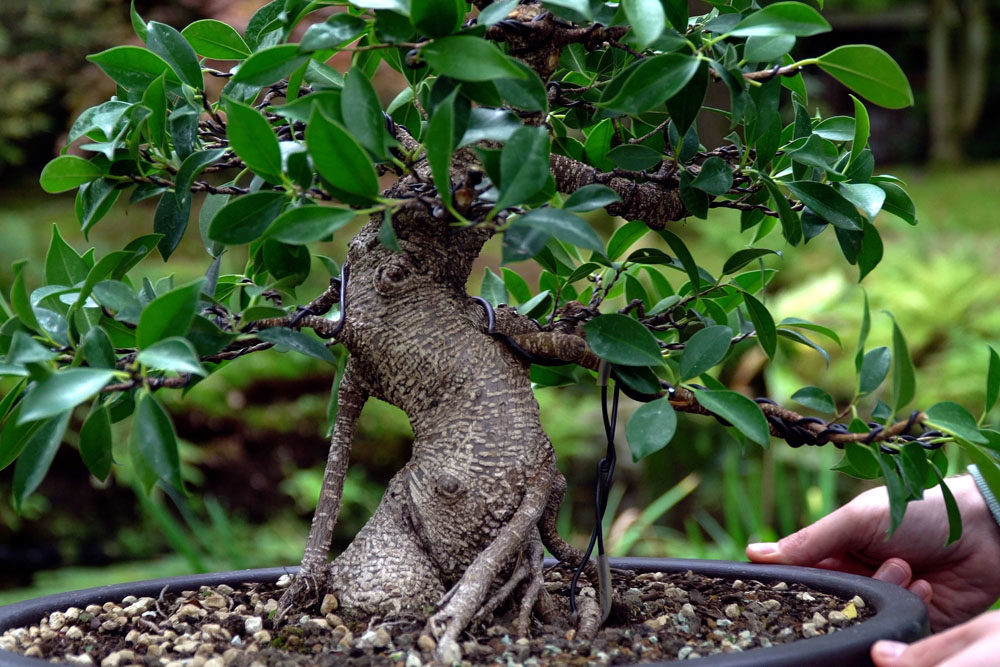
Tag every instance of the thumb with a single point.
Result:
(834, 534)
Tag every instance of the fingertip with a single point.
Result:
(887, 652)
(763, 551)
(922, 589)
(894, 571)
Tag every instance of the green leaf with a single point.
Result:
(170, 45)
(904, 381)
(270, 65)
(437, 18)
(469, 58)
(894, 485)
(592, 197)
(715, 177)
(62, 391)
(524, 166)
(738, 410)
(898, 202)
(741, 258)
(563, 225)
(118, 297)
(36, 457)
(362, 112)
(153, 446)
(810, 326)
(96, 443)
(992, 380)
(306, 224)
(62, 265)
(782, 18)
(169, 314)
(767, 48)
(862, 128)
(299, 342)
(624, 237)
(684, 255)
(172, 354)
(791, 225)
(245, 218)
(170, 221)
(827, 203)
(527, 92)
(706, 348)
(26, 350)
(952, 418)
(634, 157)
(763, 323)
(870, 72)
(816, 399)
(138, 25)
(866, 196)
(651, 83)
(915, 468)
(339, 158)
(647, 18)
(216, 40)
(650, 428)
(516, 285)
(622, 340)
(871, 251)
(951, 507)
(67, 172)
(440, 143)
(493, 289)
(685, 105)
(537, 305)
(251, 136)
(496, 12)
(337, 30)
(387, 233)
(803, 340)
(132, 66)
(97, 349)
(874, 369)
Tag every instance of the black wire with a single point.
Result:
(605, 471)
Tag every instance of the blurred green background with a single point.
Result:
(254, 435)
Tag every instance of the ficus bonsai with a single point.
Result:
(515, 118)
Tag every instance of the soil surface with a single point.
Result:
(662, 617)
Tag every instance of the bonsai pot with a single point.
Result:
(899, 615)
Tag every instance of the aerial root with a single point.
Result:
(304, 591)
(535, 556)
(519, 575)
(590, 614)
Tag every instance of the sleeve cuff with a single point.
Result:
(991, 500)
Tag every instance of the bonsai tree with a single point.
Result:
(515, 119)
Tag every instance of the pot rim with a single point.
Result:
(900, 615)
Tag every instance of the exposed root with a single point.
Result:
(530, 596)
(590, 614)
(504, 592)
(305, 591)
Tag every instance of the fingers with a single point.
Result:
(976, 642)
(894, 571)
(922, 589)
(836, 533)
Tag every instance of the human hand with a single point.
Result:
(974, 643)
(956, 582)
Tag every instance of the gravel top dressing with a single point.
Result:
(664, 617)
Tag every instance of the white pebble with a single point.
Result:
(253, 624)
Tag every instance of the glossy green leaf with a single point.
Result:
(440, 143)
(951, 417)
(590, 198)
(62, 265)
(782, 18)
(253, 140)
(951, 508)
(246, 217)
(337, 30)
(622, 340)
(62, 391)
(524, 166)
(650, 428)
(803, 340)
(97, 349)
(138, 25)
(67, 172)
(339, 158)
(153, 446)
(36, 457)
(870, 72)
(862, 128)
(816, 399)
(635, 157)
(904, 381)
(306, 224)
(216, 40)
(96, 443)
(387, 233)
(866, 196)
(166, 42)
(563, 225)
(132, 66)
(874, 369)
(493, 289)
(898, 202)
(515, 285)
(651, 83)
(767, 48)
(170, 221)
(715, 177)
(120, 299)
(741, 258)
(827, 203)
(169, 314)
(362, 113)
(437, 18)
(684, 255)
(468, 58)
(738, 410)
(625, 237)
(270, 65)
(288, 339)
(704, 350)
(496, 12)
(172, 354)
(26, 350)
(791, 225)
(685, 106)
(527, 92)
(648, 18)
(992, 380)
(763, 323)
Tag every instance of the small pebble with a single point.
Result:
(329, 604)
(818, 620)
(837, 618)
(284, 581)
(253, 624)
(858, 602)
(780, 586)
(426, 643)
(809, 630)
(732, 610)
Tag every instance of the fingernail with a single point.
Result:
(887, 650)
(891, 573)
(764, 548)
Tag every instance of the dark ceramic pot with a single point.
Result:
(900, 615)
